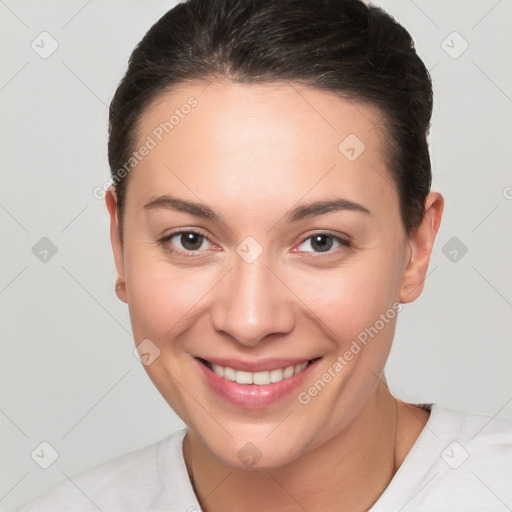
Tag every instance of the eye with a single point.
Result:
(185, 242)
(322, 243)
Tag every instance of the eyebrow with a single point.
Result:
(173, 203)
(298, 213)
(321, 207)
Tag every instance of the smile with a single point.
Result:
(259, 378)
(255, 385)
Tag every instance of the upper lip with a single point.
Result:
(256, 365)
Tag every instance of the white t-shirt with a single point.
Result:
(460, 462)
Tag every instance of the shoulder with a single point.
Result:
(129, 482)
(474, 459)
(476, 433)
(479, 445)
(460, 462)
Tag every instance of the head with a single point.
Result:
(271, 206)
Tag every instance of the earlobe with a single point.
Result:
(115, 238)
(421, 243)
(121, 290)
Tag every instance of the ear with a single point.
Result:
(115, 238)
(421, 242)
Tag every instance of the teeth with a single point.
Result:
(243, 377)
(219, 370)
(229, 374)
(258, 378)
(288, 372)
(276, 375)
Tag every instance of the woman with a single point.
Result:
(270, 212)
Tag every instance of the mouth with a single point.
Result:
(270, 383)
(260, 378)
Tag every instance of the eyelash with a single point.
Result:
(164, 242)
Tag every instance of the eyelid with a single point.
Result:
(164, 241)
(344, 242)
(177, 231)
(326, 232)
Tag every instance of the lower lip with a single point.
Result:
(252, 396)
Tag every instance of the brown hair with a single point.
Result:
(341, 46)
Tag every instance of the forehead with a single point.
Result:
(224, 140)
(278, 112)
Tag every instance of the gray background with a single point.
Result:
(68, 374)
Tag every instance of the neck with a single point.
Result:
(352, 469)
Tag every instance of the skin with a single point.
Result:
(251, 153)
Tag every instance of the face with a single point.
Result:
(264, 260)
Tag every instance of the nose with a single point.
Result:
(253, 303)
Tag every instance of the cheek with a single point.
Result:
(351, 298)
(162, 298)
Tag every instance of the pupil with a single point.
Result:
(191, 241)
(321, 243)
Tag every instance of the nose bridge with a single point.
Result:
(253, 303)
